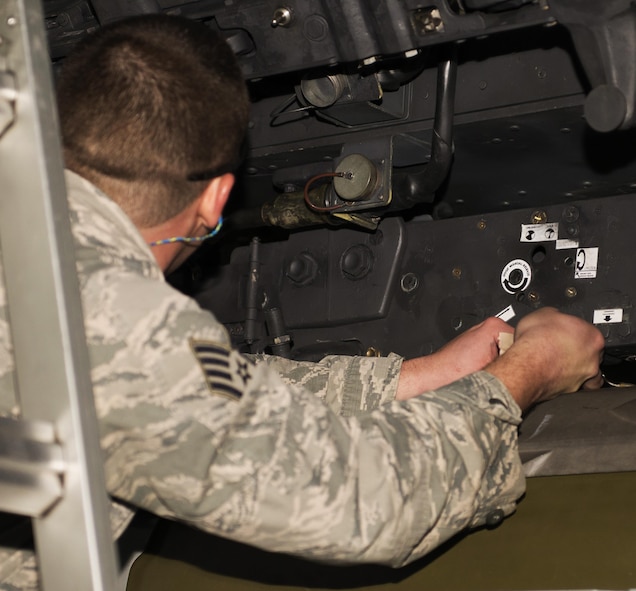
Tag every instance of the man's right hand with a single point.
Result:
(553, 353)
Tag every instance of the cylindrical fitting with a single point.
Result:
(323, 92)
(359, 180)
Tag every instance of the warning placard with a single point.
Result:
(608, 316)
(586, 263)
(540, 232)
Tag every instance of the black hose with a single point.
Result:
(417, 184)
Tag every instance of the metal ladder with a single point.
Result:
(51, 467)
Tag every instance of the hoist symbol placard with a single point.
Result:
(540, 232)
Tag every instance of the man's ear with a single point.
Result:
(214, 198)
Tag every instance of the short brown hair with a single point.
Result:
(147, 102)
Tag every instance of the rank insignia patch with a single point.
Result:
(226, 372)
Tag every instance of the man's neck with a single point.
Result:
(164, 254)
(171, 254)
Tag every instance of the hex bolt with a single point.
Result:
(302, 269)
(624, 329)
(539, 217)
(409, 282)
(356, 262)
(432, 23)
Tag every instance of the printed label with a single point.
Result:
(506, 314)
(586, 263)
(610, 316)
(540, 232)
(516, 276)
(564, 243)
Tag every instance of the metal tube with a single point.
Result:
(418, 184)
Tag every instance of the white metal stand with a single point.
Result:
(51, 466)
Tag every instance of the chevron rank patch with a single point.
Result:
(226, 372)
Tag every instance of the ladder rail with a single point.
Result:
(72, 533)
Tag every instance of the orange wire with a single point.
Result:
(311, 181)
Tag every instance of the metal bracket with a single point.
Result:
(7, 101)
(31, 467)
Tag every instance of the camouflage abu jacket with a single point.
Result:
(266, 450)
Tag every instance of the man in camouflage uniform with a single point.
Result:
(396, 456)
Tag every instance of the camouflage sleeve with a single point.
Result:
(18, 570)
(194, 431)
(349, 385)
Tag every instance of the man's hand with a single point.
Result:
(469, 352)
(553, 353)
